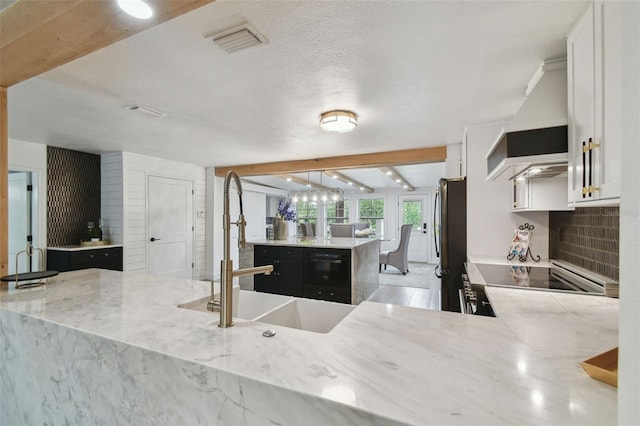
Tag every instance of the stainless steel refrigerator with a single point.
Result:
(451, 241)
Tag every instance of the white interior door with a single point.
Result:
(170, 227)
(414, 209)
(19, 220)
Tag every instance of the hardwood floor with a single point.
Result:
(410, 290)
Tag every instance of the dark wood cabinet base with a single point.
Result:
(73, 260)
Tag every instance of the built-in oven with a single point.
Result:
(327, 267)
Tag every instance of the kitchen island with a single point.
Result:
(293, 266)
(106, 347)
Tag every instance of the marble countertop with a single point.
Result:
(80, 247)
(320, 242)
(413, 365)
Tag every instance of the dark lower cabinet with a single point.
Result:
(297, 272)
(286, 277)
(331, 294)
(73, 260)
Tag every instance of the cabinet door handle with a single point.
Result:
(320, 293)
(592, 146)
(590, 166)
(331, 294)
(584, 170)
(152, 239)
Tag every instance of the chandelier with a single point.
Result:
(319, 193)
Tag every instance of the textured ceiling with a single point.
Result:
(415, 73)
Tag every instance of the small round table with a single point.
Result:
(29, 276)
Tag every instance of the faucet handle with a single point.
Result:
(214, 305)
(241, 232)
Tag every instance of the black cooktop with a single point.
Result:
(535, 277)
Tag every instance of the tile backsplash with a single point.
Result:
(73, 195)
(587, 237)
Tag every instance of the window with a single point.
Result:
(337, 211)
(412, 213)
(307, 211)
(372, 210)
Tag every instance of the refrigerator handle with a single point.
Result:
(435, 233)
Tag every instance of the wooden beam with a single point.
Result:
(395, 176)
(37, 36)
(4, 185)
(378, 159)
(346, 179)
(307, 184)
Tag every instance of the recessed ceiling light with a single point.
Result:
(389, 173)
(288, 179)
(136, 8)
(398, 180)
(534, 171)
(338, 121)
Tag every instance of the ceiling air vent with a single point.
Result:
(238, 38)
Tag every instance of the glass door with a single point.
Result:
(414, 209)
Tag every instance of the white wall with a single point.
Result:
(255, 210)
(28, 156)
(455, 164)
(629, 338)
(490, 222)
(135, 172)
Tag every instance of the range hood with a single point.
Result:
(535, 142)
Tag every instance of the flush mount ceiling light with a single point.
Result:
(338, 121)
(136, 8)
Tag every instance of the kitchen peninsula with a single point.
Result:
(96, 346)
(335, 269)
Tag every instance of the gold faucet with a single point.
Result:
(226, 264)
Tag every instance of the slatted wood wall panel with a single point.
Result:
(111, 206)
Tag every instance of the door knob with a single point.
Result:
(152, 239)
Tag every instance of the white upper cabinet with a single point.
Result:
(594, 51)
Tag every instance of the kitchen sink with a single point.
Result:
(307, 314)
(246, 304)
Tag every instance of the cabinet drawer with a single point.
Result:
(107, 258)
(277, 251)
(96, 258)
(330, 294)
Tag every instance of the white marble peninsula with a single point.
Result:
(364, 260)
(108, 347)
